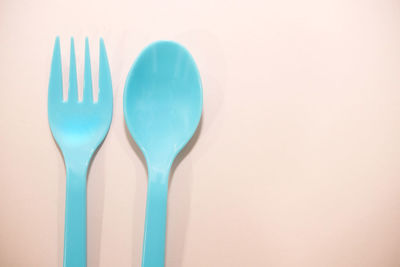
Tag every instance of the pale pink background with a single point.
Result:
(297, 162)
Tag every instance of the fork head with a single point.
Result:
(79, 126)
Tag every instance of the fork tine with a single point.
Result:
(87, 86)
(105, 85)
(73, 84)
(56, 84)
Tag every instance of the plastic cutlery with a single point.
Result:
(79, 127)
(162, 108)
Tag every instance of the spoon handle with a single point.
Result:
(75, 218)
(155, 222)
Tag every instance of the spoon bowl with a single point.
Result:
(163, 101)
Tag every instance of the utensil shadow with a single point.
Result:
(176, 228)
(95, 206)
(139, 201)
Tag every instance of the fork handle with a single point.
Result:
(75, 218)
(155, 222)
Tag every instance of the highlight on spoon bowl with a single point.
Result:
(162, 107)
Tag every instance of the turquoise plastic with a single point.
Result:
(78, 128)
(162, 108)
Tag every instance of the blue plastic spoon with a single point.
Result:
(162, 107)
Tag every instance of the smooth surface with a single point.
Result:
(163, 101)
(79, 126)
(297, 161)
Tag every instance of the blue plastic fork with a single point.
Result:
(79, 127)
